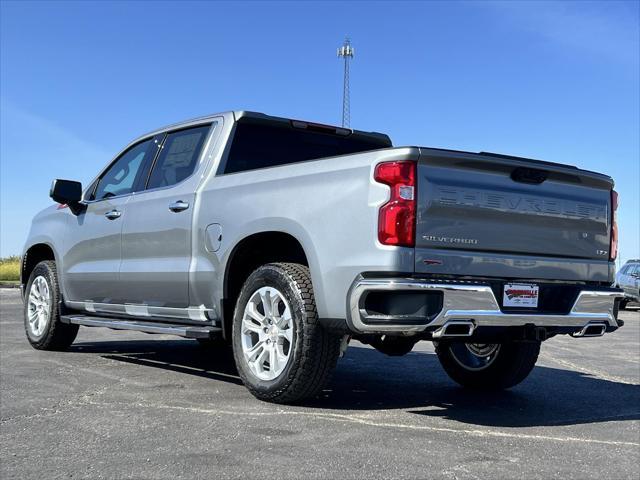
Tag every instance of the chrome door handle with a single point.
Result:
(113, 214)
(178, 206)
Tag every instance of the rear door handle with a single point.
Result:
(113, 214)
(178, 206)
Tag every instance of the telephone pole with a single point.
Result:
(346, 51)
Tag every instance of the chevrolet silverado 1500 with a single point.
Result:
(286, 238)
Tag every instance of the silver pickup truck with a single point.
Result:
(286, 239)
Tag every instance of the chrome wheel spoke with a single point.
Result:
(252, 312)
(254, 350)
(273, 360)
(286, 334)
(284, 320)
(33, 298)
(257, 362)
(249, 325)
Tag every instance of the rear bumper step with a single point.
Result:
(188, 331)
(465, 307)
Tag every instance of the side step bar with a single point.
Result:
(188, 331)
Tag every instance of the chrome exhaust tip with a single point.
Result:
(455, 328)
(591, 330)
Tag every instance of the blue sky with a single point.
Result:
(557, 81)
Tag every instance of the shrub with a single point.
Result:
(10, 268)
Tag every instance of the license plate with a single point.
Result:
(520, 295)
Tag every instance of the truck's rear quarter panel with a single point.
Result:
(329, 205)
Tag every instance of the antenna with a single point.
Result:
(346, 51)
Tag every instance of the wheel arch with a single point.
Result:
(247, 255)
(33, 255)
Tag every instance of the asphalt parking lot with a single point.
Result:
(131, 405)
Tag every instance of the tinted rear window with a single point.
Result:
(260, 145)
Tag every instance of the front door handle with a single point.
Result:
(178, 206)
(113, 214)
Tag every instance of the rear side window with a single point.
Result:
(178, 157)
(260, 145)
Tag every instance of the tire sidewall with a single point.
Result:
(270, 276)
(42, 270)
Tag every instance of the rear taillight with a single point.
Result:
(397, 217)
(613, 250)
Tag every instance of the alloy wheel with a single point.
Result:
(267, 333)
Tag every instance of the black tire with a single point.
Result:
(215, 342)
(510, 365)
(314, 351)
(623, 304)
(56, 335)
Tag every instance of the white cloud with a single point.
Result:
(608, 30)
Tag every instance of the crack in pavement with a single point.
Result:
(593, 373)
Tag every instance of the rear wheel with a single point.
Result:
(282, 353)
(42, 322)
(488, 366)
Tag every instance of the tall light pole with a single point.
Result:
(346, 51)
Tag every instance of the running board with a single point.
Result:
(188, 331)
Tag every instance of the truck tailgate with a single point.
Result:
(496, 214)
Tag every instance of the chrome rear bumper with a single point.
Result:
(477, 304)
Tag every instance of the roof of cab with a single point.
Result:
(238, 114)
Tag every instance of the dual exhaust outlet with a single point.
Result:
(466, 328)
(595, 329)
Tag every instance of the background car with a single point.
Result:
(628, 279)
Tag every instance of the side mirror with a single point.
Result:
(69, 193)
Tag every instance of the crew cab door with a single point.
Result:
(157, 233)
(93, 240)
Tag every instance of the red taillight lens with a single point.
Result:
(613, 250)
(397, 217)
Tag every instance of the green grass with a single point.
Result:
(10, 269)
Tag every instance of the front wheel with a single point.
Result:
(488, 366)
(42, 322)
(282, 353)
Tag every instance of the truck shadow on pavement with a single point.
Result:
(367, 380)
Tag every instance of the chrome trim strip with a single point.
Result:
(464, 302)
(200, 314)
